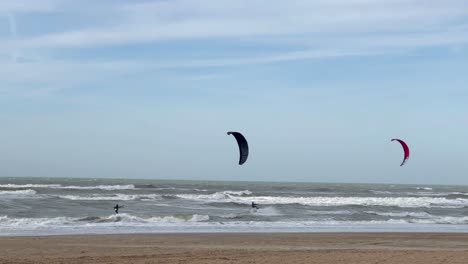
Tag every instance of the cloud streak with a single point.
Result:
(160, 21)
(13, 32)
(68, 44)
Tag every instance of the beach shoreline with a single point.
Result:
(238, 248)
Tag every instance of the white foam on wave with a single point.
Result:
(383, 192)
(59, 186)
(424, 188)
(417, 193)
(119, 219)
(268, 211)
(332, 201)
(459, 193)
(179, 189)
(237, 193)
(336, 212)
(20, 186)
(437, 220)
(115, 197)
(452, 220)
(127, 218)
(200, 223)
(435, 194)
(225, 195)
(178, 219)
(231, 215)
(402, 214)
(99, 187)
(27, 192)
(7, 222)
(264, 211)
(429, 194)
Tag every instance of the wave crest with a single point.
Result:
(115, 197)
(59, 186)
(124, 218)
(332, 201)
(217, 196)
(27, 192)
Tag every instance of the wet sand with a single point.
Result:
(349, 248)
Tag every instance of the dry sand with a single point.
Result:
(349, 248)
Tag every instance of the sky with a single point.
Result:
(148, 89)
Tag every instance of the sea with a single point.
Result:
(51, 206)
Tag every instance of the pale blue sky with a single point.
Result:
(148, 89)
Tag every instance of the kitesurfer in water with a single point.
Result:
(116, 208)
(254, 205)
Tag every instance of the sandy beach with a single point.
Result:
(239, 248)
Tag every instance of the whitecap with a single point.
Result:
(220, 197)
(115, 197)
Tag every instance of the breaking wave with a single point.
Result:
(402, 214)
(221, 197)
(451, 220)
(424, 188)
(115, 197)
(20, 186)
(59, 186)
(422, 193)
(127, 218)
(263, 212)
(18, 193)
(424, 218)
(7, 222)
(99, 187)
(131, 223)
(238, 193)
(225, 195)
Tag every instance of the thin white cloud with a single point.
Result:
(12, 24)
(14, 33)
(28, 75)
(279, 57)
(303, 29)
(228, 19)
(77, 71)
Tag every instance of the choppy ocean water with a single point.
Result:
(46, 206)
